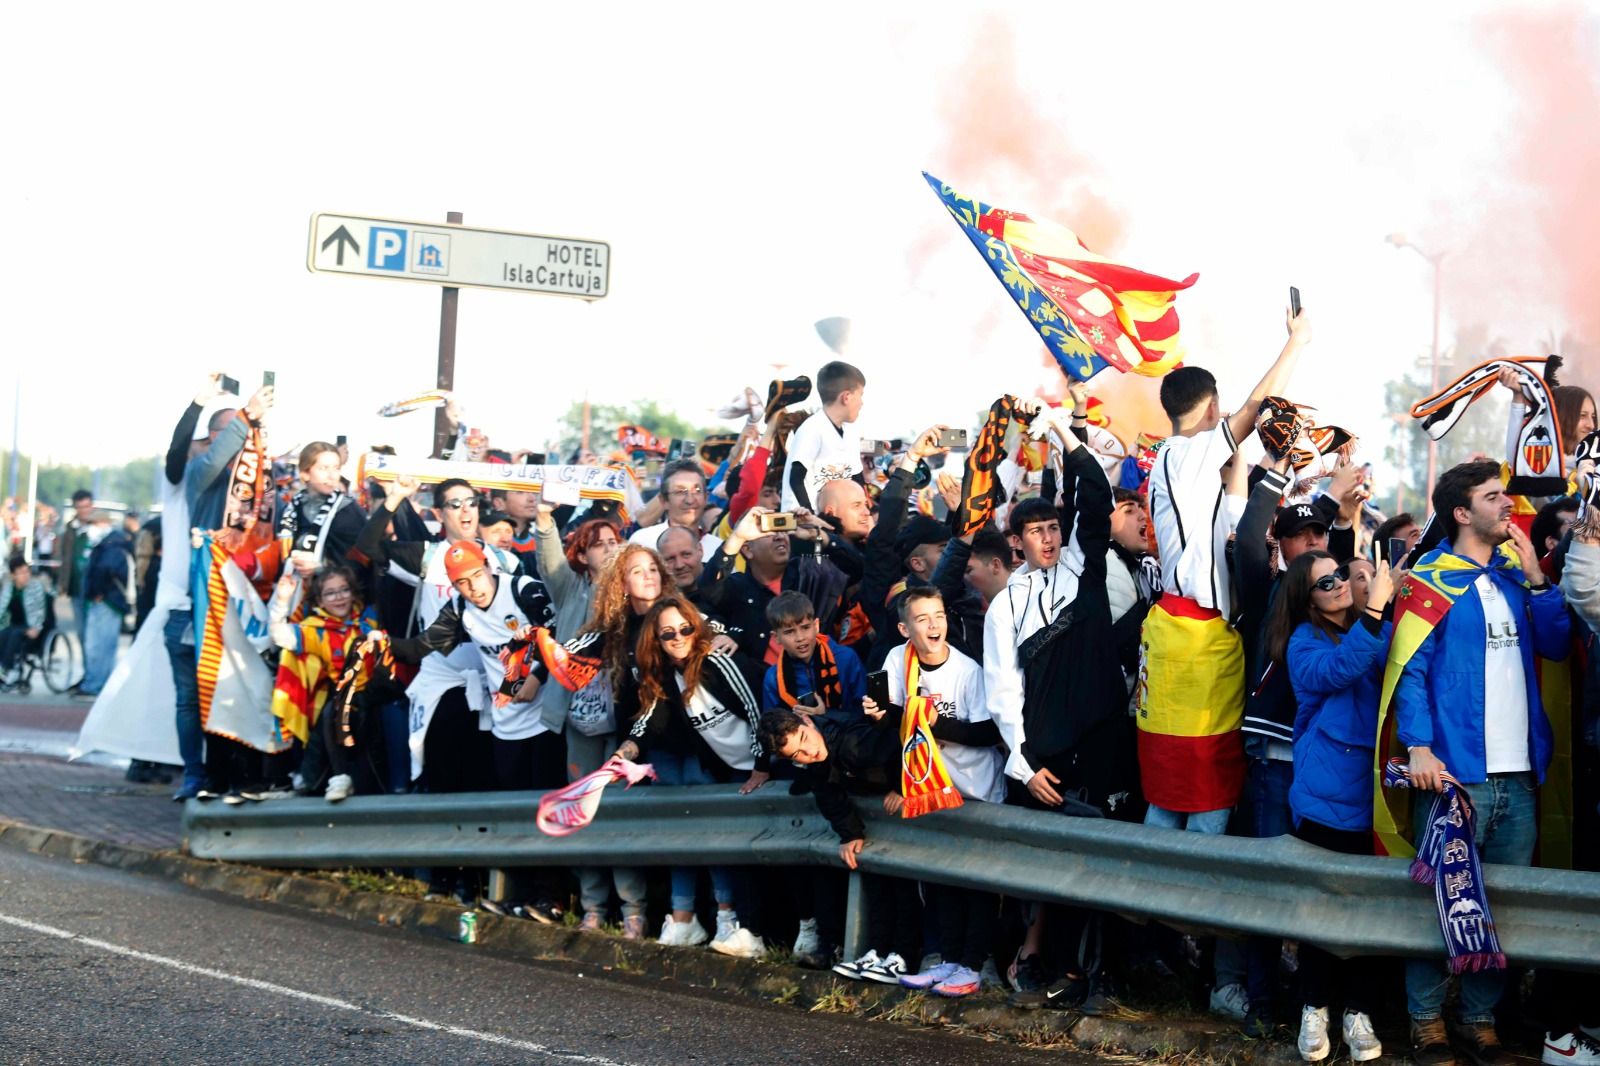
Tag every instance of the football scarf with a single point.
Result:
(1537, 463)
(924, 781)
(569, 809)
(1447, 859)
(419, 402)
(1587, 523)
(824, 675)
(595, 483)
(536, 644)
(289, 533)
(981, 490)
(354, 680)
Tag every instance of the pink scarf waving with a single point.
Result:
(569, 809)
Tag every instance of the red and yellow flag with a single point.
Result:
(1091, 312)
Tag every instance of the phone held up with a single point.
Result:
(955, 439)
(1398, 550)
(1294, 302)
(228, 385)
(776, 522)
(269, 379)
(878, 687)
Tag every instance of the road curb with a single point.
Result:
(753, 979)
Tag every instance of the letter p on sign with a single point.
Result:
(386, 249)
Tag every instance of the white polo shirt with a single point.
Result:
(1192, 520)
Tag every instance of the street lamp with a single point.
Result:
(1399, 241)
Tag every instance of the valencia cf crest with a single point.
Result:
(1538, 450)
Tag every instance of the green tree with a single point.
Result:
(132, 483)
(604, 418)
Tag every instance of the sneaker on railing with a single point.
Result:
(340, 787)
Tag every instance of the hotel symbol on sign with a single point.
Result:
(430, 252)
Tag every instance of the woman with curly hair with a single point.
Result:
(697, 721)
(629, 581)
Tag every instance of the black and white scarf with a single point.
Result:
(1538, 460)
(309, 540)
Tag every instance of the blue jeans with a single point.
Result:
(191, 740)
(1265, 809)
(80, 620)
(101, 633)
(686, 770)
(1213, 822)
(1506, 829)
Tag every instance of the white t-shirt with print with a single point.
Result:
(725, 730)
(828, 452)
(650, 537)
(1505, 685)
(957, 692)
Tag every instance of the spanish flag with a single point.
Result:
(1091, 312)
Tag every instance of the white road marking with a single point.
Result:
(309, 997)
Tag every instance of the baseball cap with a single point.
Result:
(1295, 517)
(919, 530)
(462, 558)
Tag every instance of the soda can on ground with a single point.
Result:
(469, 927)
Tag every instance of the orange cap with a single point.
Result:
(462, 558)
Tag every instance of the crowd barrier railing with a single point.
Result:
(1282, 887)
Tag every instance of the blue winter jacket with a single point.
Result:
(1337, 686)
(1439, 701)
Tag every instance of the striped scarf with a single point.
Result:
(1538, 459)
(924, 781)
(536, 644)
(1447, 859)
(824, 678)
(981, 490)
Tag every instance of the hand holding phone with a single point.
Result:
(1398, 550)
(777, 522)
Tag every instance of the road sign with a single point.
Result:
(457, 255)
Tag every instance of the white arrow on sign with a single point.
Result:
(458, 256)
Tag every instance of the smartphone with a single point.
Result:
(882, 447)
(341, 441)
(776, 522)
(953, 438)
(878, 687)
(536, 458)
(681, 449)
(1397, 552)
(1294, 302)
(228, 385)
(269, 378)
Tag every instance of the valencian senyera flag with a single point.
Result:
(1091, 312)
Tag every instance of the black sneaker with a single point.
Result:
(233, 797)
(1068, 993)
(1100, 1001)
(544, 911)
(494, 906)
(1025, 974)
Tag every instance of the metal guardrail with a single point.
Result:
(1352, 905)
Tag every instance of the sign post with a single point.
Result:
(454, 256)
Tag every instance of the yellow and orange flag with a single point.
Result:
(1091, 312)
(924, 781)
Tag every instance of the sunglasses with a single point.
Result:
(684, 631)
(1329, 582)
(466, 501)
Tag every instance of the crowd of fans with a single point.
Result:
(1181, 638)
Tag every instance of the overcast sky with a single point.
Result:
(752, 172)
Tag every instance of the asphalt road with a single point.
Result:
(101, 966)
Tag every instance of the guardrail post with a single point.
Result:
(855, 918)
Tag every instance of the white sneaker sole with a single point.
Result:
(1317, 1054)
(1367, 1055)
(737, 953)
(882, 978)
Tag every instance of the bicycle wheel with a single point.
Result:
(60, 656)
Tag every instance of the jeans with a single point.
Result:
(396, 746)
(686, 770)
(191, 740)
(1265, 810)
(80, 620)
(584, 756)
(1506, 829)
(1214, 823)
(103, 631)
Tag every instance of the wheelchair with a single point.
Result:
(53, 654)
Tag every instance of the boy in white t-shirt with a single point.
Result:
(827, 446)
(967, 742)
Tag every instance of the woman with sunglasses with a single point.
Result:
(316, 651)
(697, 721)
(1334, 652)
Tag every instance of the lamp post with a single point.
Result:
(1399, 241)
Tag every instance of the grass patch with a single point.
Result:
(837, 1000)
(778, 956)
(908, 1009)
(1043, 1036)
(385, 881)
(787, 996)
(624, 964)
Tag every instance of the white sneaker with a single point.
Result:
(1314, 1045)
(1359, 1038)
(741, 943)
(1230, 1001)
(676, 934)
(853, 970)
(340, 786)
(886, 971)
(805, 942)
(1571, 1049)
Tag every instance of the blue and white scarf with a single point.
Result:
(1447, 859)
